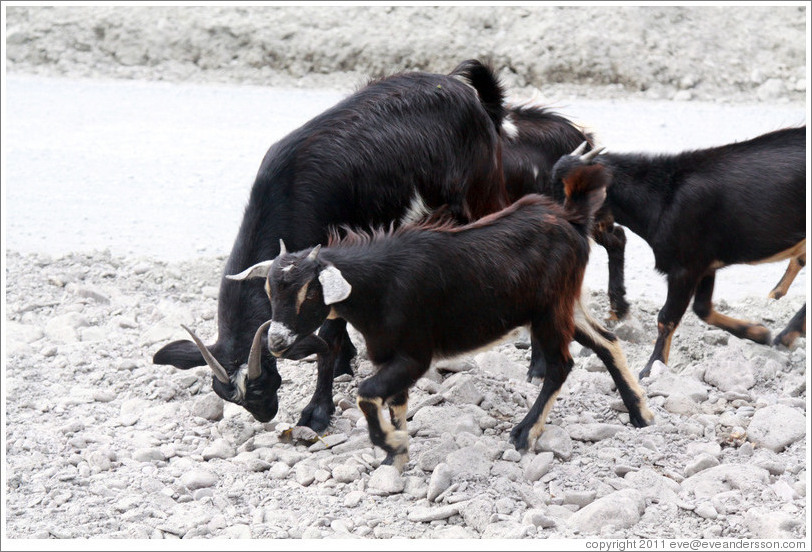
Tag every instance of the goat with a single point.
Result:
(421, 292)
(397, 148)
(706, 209)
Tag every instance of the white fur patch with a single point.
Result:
(333, 285)
(281, 332)
(238, 380)
(417, 210)
(535, 171)
(509, 128)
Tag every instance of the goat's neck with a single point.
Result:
(639, 190)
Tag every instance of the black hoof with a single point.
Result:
(620, 308)
(637, 420)
(317, 416)
(519, 436)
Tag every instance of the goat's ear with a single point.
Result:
(259, 270)
(334, 287)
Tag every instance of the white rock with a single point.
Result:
(492, 362)
(764, 524)
(706, 510)
(777, 426)
(346, 473)
(278, 470)
(701, 462)
(471, 461)
(668, 383)
(537, 517)
(425, 514)
(197, 479)
(622, 509)
(725, 477)
(511, 455)
(683, 405)
(149, 455)
(593, 431)
(354, 498)
(209, 406)
(652, 485)
(440, 480)
(730, 375)
(385, 480)
(131, 410)
(219, 448)
(539, 466)
(462, 390)
(477, 513)
(555, 439)
(452, 532)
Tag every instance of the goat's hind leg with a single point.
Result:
(592, 335)
(794, 267)
(554, 347)
(613, 239)
(703, 307)
(795, 329)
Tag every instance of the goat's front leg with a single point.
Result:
(392, 381)
(795, 329)
(795, 266)
(703, 307)
(680, 289)
(613, 239)
(336, 360)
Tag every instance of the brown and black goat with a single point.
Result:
(706, 209)
(422, 292)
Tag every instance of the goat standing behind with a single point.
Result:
(706, 209)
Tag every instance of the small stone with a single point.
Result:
(764, 524)
(354, 498)
(385, 480)
(305, 474)
(538, 517)
(775, 427)
(278, 470)
(346, 473)
(209, 406)
(593, 431)
(427, 514)
(440, 481)
(622, 509)
(149, 455)
(702, 462)
(327, 441)
(680, 404)
(556, 440)
(579, 498)
(197, 479)
(511, 455)
(706, 510)
(539, 466)
(220, 448)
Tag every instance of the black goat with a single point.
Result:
(421, 292)
(706, 209)
(396, 149)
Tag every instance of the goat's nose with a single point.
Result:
(280, 338)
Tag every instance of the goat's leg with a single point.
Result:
(589, 333)
(795, 266)
(398, 405)
(319, 410)
(795, 329)
(680, 289)
(391, 381)
(538, 366)
(554, 347)
(703, 307)
(613, 240)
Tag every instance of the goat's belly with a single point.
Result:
(789, 253)
(466, 344)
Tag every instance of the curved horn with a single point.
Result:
(314, 253)
(589, 156)
(282, 249)
(219, 372)
(580, 149)
(254, 369)
(259, 270)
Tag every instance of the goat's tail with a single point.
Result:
(482, 78)
(585, 191)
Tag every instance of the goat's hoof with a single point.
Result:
(619, 310)
(641, 419)
(759, 334)
(775, 294)
(342, 367)
(399, 461)
(786, 339)
(317, 416)
(519, 437)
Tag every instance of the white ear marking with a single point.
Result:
(259, 270)
(334, 287)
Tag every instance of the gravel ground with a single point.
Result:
(99, 442)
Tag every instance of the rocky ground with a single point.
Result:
(102, 443)
(716, 53)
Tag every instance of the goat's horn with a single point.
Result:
(580, 149)
(254, 369)
(314, 253)
(219, 372)
(589, 156)
(282, 249)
